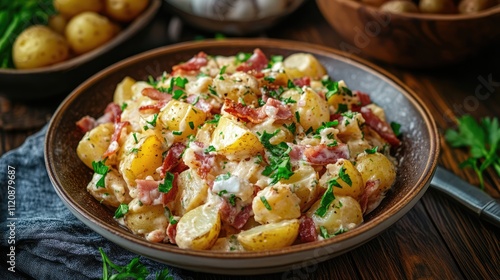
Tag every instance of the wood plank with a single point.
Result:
(474, 244)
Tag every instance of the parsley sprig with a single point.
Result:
(280, 166)
(483, 141)
(133, 270)
(101, 169)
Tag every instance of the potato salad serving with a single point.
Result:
(239, 153)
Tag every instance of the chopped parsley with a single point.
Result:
(242, 57)
(191, 125)
(259, 159)
(327, 199)
(331, 86)
(297, 116)
(222, 71)
(212, 90)
(101, 169)
(232, 199)
(209, 149)
(195, 100)
(124, 106)
(178, 93)
(222, 193)
(342, 108)
(288, 100)
(135, 138)
(327, 125)
(172, 220)
(223, 177)
(372, 150)
(215, 120)
(396, 127)
(167, 184)
(153, 121)
(344, 176)
(181, 82)
(269, 79)
(291, 127)
(279, 166)
(266, 204)
(121, 210)
(177, 132)
(347, 91)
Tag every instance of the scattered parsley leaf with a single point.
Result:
(181, 82)
(344, 176)
(121, 210)
(269, 79)
(209, 149)
(232, 199)
(101, 169)
(153, 121)
(297, 116)
(266, 203)
(396, 127)
(372, 150)
(167, 184)
(326, 200)
(124, 106)
(215, 120)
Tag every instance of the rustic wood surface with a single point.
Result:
(438, 238)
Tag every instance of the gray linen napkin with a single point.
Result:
(50, 243)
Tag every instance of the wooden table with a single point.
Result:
(438, 238)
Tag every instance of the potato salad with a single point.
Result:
(239, 153)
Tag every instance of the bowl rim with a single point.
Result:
(422, 16)
(365, 230)
(136, 25)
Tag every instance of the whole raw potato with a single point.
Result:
(89, 30)
(71, 8)
(39, 46)
(125, 10)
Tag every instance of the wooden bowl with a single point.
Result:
(62, 78)
(411, 39)
(417, 157)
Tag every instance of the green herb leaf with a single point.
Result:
(344, 176)
(327, 199)
(101, 169)
(232, 199)
(396, 127)
(121, 210)
(209, 149)
(181, 82)
(372, 150)
(215, 120)
(167, 184)
(266, 203)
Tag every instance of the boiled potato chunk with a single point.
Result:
(282, 204)
(437, 6)
(303, 64)
(354, 187)
(39, 46)
(399, 6)
(239, 87)
(58, 23)
(182, 117)
(94, 143)
(270, 236)
(344, 213)
(234, 140)
(88, 30)
(143, 219)
(192, 192)
(123, 91)
(377, 167)
(304, 184)
(115, 189)
(125, 10)
(70, 8)
(199, 228)
(144, 161)
(310, 106)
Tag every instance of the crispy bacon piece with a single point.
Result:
(156, 94)
(172, 232)
(149, 194)
(235, 216)
(256, 62)
(194, 64)
(322, 154)
(371, 197)
(381, 127)
(302, 81)
(307, 230)
(114, 145)
(201, 103)
(273, 109)
(206, 162)
(112, 113)
(172, 158)
(153, 108)
(86, 123)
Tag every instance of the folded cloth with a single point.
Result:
(50, 243)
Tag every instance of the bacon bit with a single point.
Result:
(114, 145)
(86, 123)
(194, 64)
(153, 108)
(371, 197)
(237, 217)
(172, 232)
(249, 114)
(155, 94)
(114, 113)
(201, 103)
(206, 162)
(364, 98)
(149, 194)
(257, 62)
(322, 154)
(307, 230)
(296, 152)
(303, 81)
(381, 127)
(172, 158)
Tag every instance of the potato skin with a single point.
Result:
(270, 236)
(89, 30)
(70, 8)
(399, 6)
(125, 10)
(39, 46)
(474, 6)
(437, 6)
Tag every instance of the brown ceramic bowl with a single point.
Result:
(411, 39)
(63, 77)
(417, 157)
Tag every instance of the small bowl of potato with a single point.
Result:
(53, 57)
(414, 33)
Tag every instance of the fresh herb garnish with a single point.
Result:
(232, 199)
(372, 150)
(167, 184)
(327, 199)
(396, 127)
(175, 132)
(124, 106)
(483, 141)
(266, 203)
(269, 79)
(344, 176)
(279, 166)
(153, 121)
(215, 120)
(133, 270)
(331, 86)
(121, 210)
(297, 116)
(209, 149)
(101, 169)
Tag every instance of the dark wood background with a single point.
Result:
(437, 239)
